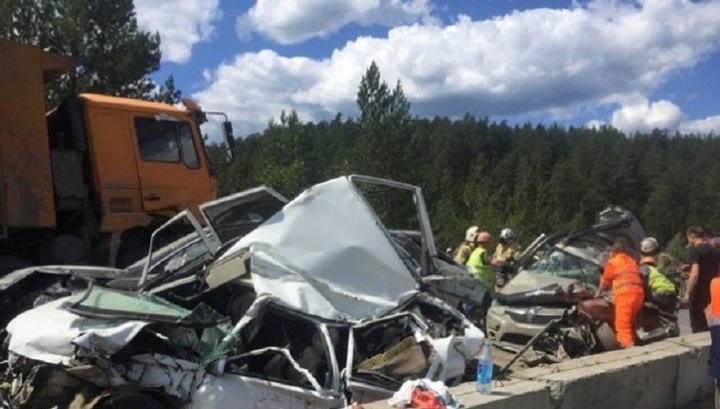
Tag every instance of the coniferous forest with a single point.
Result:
(532, 178)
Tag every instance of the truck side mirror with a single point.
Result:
(229, 137)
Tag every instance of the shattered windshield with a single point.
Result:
(562, 263)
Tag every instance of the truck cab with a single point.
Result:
(88, 181)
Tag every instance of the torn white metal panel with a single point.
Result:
(176, 377)
(48, 333)
(329, 239)
(242, 392)
(454, 351)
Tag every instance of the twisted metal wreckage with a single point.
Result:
(345, 310)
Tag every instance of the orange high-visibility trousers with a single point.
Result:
(627, 306)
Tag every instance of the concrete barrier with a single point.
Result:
(663, 375)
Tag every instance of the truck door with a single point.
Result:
(173, 174)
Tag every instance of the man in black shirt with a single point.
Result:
(704, 261)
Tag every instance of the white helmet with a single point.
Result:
(649, 244)
(470, 233)
(507, 234)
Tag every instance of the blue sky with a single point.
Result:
(634, 65)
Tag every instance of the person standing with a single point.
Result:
(623, 274)
(712, 315)
(462, 253)
(661, 291)
(481, 265)
(507, 249)
(703, 259)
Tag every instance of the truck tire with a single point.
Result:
(62, 249)
(134, 245)
(129, 400)
(76, 121)
(128, 257)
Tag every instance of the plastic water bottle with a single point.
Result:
(483, 383)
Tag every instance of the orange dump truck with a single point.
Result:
(87, 182)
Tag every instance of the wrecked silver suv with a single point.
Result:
(536, 296)
(340, 315)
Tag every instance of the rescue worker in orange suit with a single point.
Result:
(712, 314)
(622, 275)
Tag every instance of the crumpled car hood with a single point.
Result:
(326, 254)
(101, 320)
(53, 341)
(528, 280)
(529, 287)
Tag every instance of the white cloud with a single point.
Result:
(529, 62)
(646, 116)
(596, 124)
(255, 87)
(181, 24)
(293, 21)
(704, 126)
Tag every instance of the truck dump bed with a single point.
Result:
(26, 191)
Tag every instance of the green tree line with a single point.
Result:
(532, 178)
(114, 56)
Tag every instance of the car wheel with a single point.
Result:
(129, 400)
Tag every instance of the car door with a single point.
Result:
(171, 169)
(236, 215)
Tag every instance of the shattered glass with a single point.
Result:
(99, 302)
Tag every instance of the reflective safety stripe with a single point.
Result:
(627, 283)
(627, 278)
(713, 321)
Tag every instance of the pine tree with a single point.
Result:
(114, 56)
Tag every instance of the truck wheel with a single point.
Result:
(134, 244)
(8, 264)
(76, 121)
(128, 257)
(129, 400)
(62, 249)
